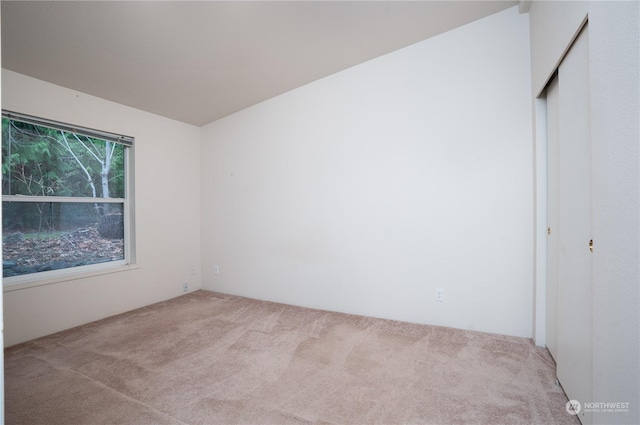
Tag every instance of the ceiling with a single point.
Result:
(199, 61)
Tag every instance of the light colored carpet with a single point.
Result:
(209, 358)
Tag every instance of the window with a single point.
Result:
(66, 199)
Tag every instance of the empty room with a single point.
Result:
(320, 212)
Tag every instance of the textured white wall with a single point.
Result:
(367, 190)
(167, 179)
(614, 46)
(614, 29)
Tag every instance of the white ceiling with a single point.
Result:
(200, 61)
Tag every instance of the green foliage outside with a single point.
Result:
(40, 161)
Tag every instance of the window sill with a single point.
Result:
(65, 277)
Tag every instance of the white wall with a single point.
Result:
(614, 30)
(614, 46)
(167, 185)
(367, 190)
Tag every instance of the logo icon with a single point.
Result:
(573, 407)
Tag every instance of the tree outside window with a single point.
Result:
(64, 199)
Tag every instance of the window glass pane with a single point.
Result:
(41, 161)
(46, 236)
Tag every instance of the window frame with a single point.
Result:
(128, 210)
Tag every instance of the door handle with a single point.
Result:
(591, 245)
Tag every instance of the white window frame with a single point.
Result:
(53, 276)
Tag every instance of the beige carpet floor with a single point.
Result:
(209, 358)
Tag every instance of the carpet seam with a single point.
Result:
(126, 396)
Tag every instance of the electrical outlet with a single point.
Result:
(193, 270)
(216, 270)
(185, 287)
(439, 294)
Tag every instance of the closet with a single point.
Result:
(570, 246)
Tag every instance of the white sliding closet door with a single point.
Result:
(570, 212)
(553, 116)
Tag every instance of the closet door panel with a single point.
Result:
(551, 319)
(574, 280)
